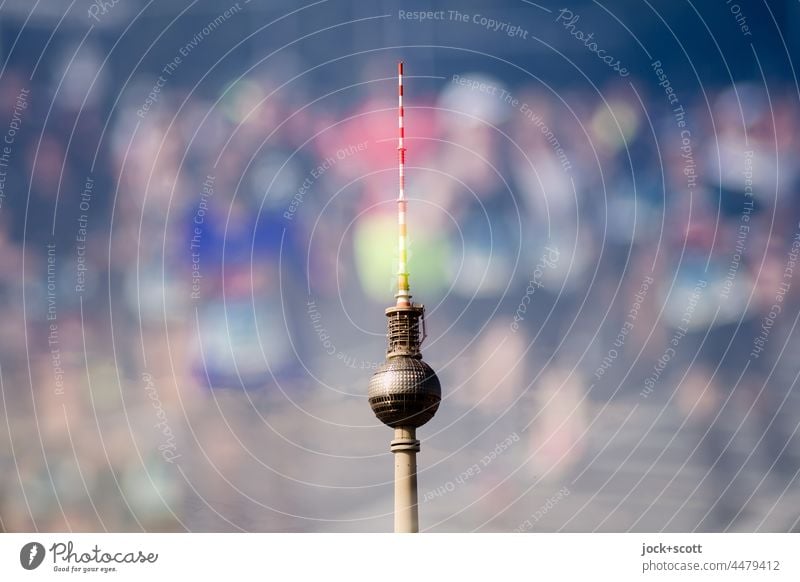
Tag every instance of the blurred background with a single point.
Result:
(198, 241)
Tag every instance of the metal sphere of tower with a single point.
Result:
(404, 390)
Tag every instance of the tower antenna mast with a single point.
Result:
(403, 295)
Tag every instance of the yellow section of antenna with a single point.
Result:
(402, 247)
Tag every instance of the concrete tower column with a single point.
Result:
(405, 447)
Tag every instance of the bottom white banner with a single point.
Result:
(234, 557)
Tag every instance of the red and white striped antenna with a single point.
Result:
(403, 295)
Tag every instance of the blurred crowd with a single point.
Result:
(184, 284)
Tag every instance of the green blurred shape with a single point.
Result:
(376, 253)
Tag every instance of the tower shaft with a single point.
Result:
(405, 447)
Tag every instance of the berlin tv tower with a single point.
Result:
(404, 392)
